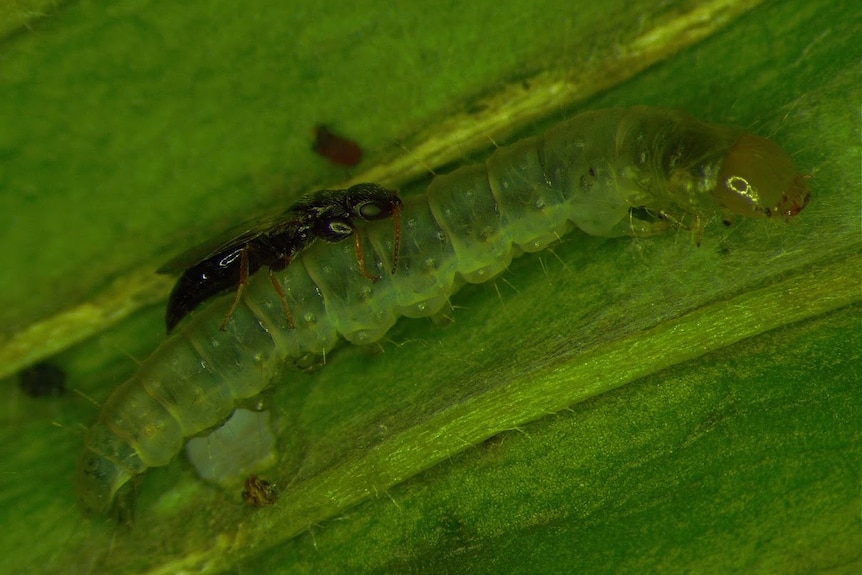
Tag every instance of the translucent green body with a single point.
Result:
(589, 171)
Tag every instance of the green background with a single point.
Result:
(627, 405)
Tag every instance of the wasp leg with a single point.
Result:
(360, 257)
(243, 281)
(282, 296)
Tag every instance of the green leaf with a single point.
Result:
(627, 405)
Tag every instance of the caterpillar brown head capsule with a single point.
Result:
(608, 172)
(758, 178)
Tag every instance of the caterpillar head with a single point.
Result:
(758, 178)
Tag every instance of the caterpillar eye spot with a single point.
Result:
(740, 185)
(588, 172)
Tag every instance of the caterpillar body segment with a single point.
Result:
(606, 172)
(196, 378)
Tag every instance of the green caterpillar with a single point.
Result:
(608, 172)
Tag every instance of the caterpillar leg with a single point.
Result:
(644, 222)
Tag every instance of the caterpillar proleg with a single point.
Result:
(598, 171)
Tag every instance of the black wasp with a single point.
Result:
(330, 215)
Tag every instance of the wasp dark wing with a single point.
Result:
(215, 267)
(208, 278)
(235, 237)
(238, 236)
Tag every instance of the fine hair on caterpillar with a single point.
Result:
(607, 172)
